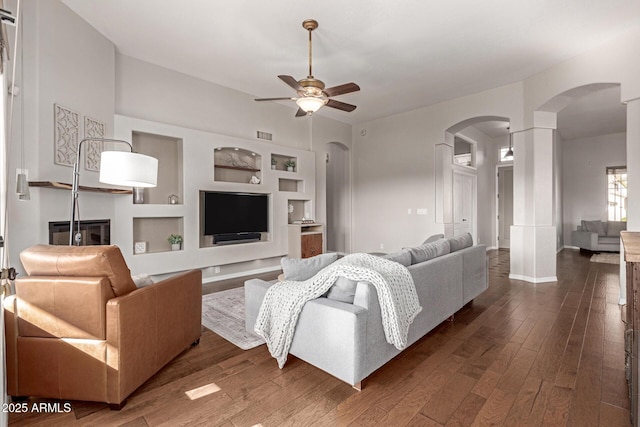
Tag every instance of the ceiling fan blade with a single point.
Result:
(342, 89)
(340, 105)
(291, 82)
(275, 99)
(301, 113)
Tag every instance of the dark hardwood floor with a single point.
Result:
(520, 354)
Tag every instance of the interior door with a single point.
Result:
(464, 204)
(505, 206)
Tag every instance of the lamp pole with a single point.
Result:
(74, 187)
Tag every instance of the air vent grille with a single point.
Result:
(264, 135)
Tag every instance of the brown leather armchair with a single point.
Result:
(79, 329)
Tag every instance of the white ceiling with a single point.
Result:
(404, 55)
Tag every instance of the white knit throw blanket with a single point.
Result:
(283, 301)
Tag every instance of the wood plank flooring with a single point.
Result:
(549, 354)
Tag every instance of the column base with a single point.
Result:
(533, 253)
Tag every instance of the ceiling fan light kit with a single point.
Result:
(310, 104)
(312, 94)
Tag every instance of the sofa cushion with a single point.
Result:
(433, 238)
(429, 251)
(595, 226)
(608, 240)
(615, 227)
(300, 269)
(343, 290)
(460, 242)
(402, 256)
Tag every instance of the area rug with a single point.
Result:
(223, 313)
(606, 258)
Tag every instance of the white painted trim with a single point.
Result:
(570, 247)
(533, 279)
(492, 248)
(240, 274)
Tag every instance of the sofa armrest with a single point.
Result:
(148, 327)
(584, 239)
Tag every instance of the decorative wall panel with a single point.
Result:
(65, 135)
(93, 149)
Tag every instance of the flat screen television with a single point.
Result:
(234, 214)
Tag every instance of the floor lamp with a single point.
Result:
(124, 168)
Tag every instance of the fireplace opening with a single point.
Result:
(93, 232)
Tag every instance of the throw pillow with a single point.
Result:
(300, 269)
(142, 280)
(433, 238)
(343, 290)
(402, 257)
(429, 251)
(594, 227)
(615, 227)
(460, 242)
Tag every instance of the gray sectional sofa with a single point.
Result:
(598, 236)
(347, 339)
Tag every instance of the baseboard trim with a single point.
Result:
(533, 279)
(240, 274)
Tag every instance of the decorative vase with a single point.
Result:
(138, 195)
(290, 168)
(273, 167)
(175, 246)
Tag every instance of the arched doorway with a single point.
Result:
(471, 184)
(338, 185)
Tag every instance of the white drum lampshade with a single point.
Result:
(128, 169)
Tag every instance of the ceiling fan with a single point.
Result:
(311, 92)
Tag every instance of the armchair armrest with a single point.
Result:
(150, 326)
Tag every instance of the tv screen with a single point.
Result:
(229, 213)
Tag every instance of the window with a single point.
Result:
(503, 154)
(617, 193)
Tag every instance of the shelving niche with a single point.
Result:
(281, 160)
(234, 164)
(155, 231)
(168, 151)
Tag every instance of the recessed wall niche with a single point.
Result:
(168, 151)
(233, 164)
(464, 152)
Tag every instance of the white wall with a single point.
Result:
(584, 179)
(66, 62)
(70, 63)
(394, 167)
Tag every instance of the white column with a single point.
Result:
(633, 184)
(533, 234)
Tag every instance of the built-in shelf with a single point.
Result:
(168, 150)
(281, 160)
(237, 168)
(292, 185)
(65, 186)
(234, 164)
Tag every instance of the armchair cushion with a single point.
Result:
(47, 260)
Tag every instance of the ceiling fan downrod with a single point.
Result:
(310, 25)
